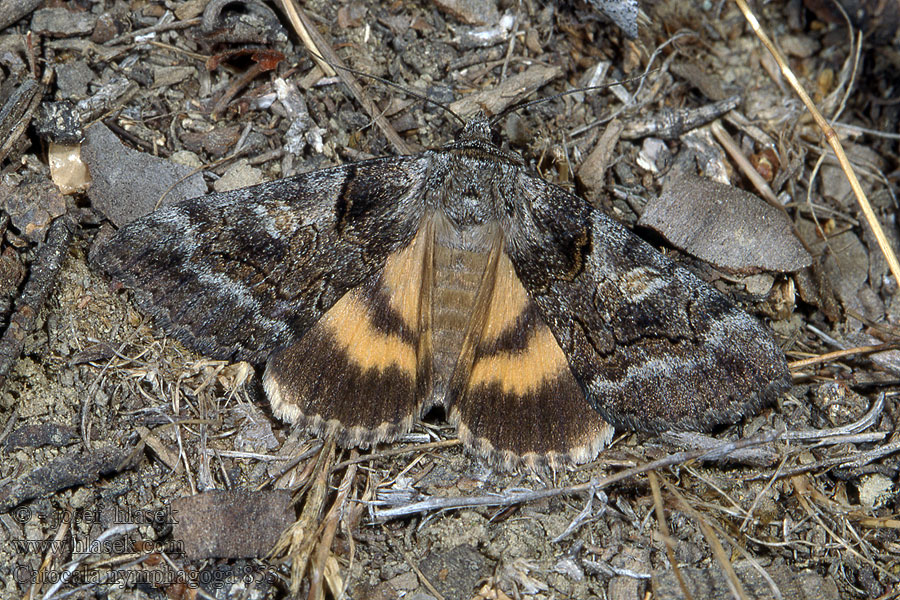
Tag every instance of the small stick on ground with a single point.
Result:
(46, 264)
(831, 356)
(513, 497)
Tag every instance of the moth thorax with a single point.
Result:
(465, 194)
(468, 212)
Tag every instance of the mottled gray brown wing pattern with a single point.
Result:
(237, 275)
(638, 330)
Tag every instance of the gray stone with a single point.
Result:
(72, 80)
(127, 184)
(60, 22)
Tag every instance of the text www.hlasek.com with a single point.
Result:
(25, 574)
(83, 547)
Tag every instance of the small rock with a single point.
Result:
(382, 591)
(72, 80)
(727, 227)
(471, 12)
(759, 285)
(59, 22)
(404, 582)
(654, 155)
(239, 175)
(128, 184)
(840, 404)
(188, 9)
(186, 158)
(455, 573)
(108, 27)
(517, 131)
(215, 142)
(800, 46)
(484, 36)
(635, 559)
(67, 170)
(59, 122)
(254, 433)
(875, 490)
(351, 16)
(230, 524)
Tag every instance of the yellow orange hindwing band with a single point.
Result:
(368, 345)
(521, 402)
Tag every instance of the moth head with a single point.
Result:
(478, 128)
(477, 139)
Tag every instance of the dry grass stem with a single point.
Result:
(666, 536)
(832, 139)
(323, 53)
(298, 540)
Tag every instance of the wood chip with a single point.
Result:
(493, 101)
(592, 172)
(77, 469)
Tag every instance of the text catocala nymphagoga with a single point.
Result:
(454, 278)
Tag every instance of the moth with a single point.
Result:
(454, 278)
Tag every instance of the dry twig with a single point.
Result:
(44, 267)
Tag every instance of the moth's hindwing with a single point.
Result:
(513, 396)
(240, 274)
(363, 371)
(653, 347)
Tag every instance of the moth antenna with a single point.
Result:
(520, 105)
(640, 77)
(392, 84)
